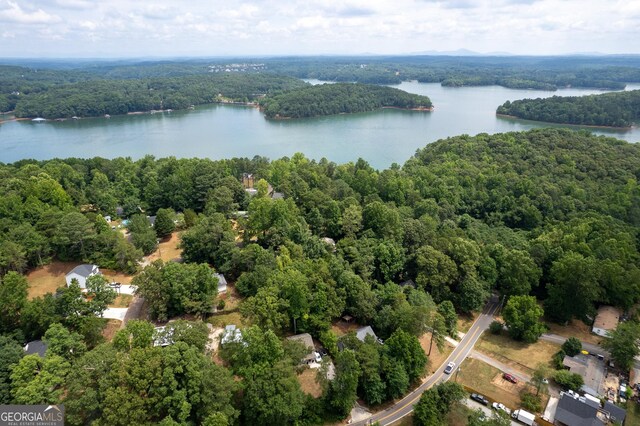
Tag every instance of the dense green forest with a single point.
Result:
(339, 98)
(619, 109)
(548, 214)
(89, 88)
(98, 97)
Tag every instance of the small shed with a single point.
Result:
(231, 334)
(81, 273)
(607, 320)
(307, 341)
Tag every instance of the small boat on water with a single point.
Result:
(39, 120)
(107, 116)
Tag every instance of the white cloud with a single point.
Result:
(12, 12)
(211, 27)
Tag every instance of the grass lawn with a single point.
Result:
(575, 328)
(487, 380)
(520, 355)
(231, 298)
(46, 279)
(122, 301)
(340, 328)
(226, 319)
(633, 414)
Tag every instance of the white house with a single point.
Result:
(81, 273)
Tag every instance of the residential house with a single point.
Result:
(592, 370)
(607, 320)
(363, 332)
(307, 341)
(81, 273)
(576, 410)
(37, 347)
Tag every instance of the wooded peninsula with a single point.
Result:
(339, 98)
(619, 109)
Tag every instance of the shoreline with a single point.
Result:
(419, 109)
(591, 126)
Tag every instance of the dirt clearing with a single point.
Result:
(522, 356)
(308, 383)
(46, 279)
(484, 379)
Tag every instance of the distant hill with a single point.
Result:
(619, 109)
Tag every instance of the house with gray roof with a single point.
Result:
(363, 332)
(307, 341)
(81, 273)
(37, 347)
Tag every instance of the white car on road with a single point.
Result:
(449, 368)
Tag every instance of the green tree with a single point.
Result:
(36, 380)
(448, 312)
(568, 380)
(539, 378)
(143, 236)
(266, 309)
(13, 298)
(573, 289)
(405, 349)
(62, 342)
(99, 293)
(272, 396)
(435, 403)
(164, 224)
(136, 334)
(522, 316)
(572, 346)
(10, 355)
(343, 388)
(623, 343)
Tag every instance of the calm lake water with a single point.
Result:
(220, 131)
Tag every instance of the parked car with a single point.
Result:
(500, 406)
(509, 378)
(480, 398)
(449, 368)
(318, 357)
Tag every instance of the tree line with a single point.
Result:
(328, 99)
(620, 109)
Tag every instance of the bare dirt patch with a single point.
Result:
(341, 327)
(308, 382)
(436, 359)
(575, 328)
(46, 279)
(167, 249)
(227, 319)
(522, 356)
(115, 276)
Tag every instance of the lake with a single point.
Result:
(223, 131)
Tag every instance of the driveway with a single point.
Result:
(405, 406)
(115, 313)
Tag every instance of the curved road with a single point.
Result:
(405, 405)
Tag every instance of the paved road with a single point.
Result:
(554, 338)
(405, 406)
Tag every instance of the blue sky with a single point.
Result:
(161, 28)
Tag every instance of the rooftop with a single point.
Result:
(307, 341)
(572, 411)
(363, 332)
(84, 270)
(590, 368)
